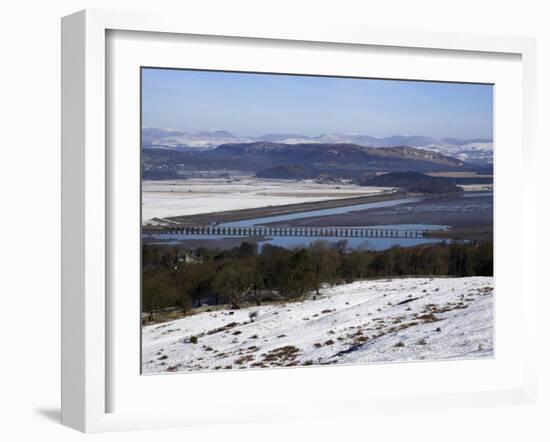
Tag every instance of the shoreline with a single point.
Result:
(261, 212)
(460, 224)
(471, 233)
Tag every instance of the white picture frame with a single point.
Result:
(86, 354)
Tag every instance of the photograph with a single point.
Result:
(292, 220)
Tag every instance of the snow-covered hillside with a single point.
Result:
(475, 152)
(368, 321)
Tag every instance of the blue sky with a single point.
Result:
(257, 104)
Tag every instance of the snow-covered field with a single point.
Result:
(476, 187)
(162, 199)
(368, 321)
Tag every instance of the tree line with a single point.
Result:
(185, 279)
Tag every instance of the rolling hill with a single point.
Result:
(413, 182)
(342, 160)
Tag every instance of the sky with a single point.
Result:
(258, 104)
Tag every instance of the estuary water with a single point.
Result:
(321, 212)
(296, 241)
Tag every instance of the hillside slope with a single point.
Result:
(413, 182)
(367, 321)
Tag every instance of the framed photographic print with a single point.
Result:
(294, 247)
(297, 218)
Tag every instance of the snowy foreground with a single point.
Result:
(368, 321)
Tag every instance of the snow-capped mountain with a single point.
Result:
(177, 139)
(475, 150)
(472, 152)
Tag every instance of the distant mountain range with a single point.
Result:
(298, 161)
(475, 150)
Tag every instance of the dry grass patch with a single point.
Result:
(242, 360)
(282, 355)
